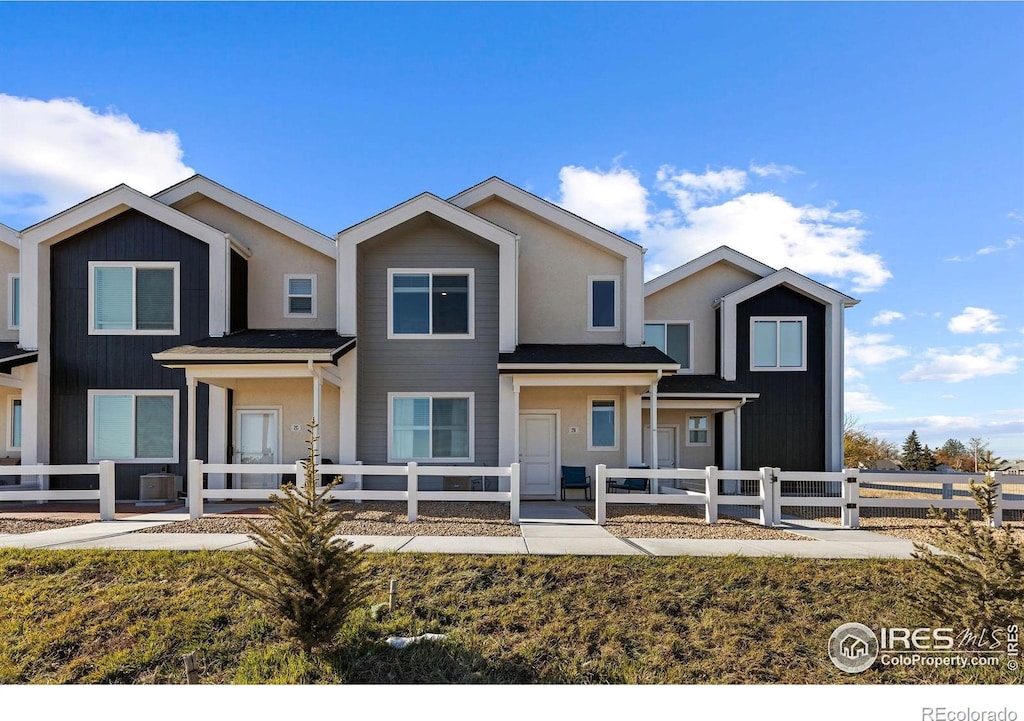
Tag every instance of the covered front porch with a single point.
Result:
(264, 388)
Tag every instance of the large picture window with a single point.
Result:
(672, 339)
(603, 302)
(133, 298)
(133, 426)
(778, 344)
(603, 426)
(434, 303)
(425, 427)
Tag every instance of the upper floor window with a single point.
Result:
(13, 301)
(430, 303)
(300, 296)
(603, 297)
(778, 343)
(426, 427)
(672, 339)
(133, 425)
(133, 298)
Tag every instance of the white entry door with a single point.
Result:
(258, 440)
(666, 446)
(538, 454)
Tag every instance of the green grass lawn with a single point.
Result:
(127, 617)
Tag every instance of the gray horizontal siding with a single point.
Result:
(427, 366)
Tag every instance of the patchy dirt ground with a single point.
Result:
(646, 521)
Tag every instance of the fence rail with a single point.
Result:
(104, 470)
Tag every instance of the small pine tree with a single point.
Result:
(978, 580)
(912, 457)
(308, 576)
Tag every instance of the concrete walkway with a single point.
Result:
(548, 529)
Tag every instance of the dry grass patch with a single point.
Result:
(676, 521)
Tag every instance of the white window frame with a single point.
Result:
(698, 415)
(470, 309)
(288, 296)
(134, 394)
(590, 302)
(688, 368)
(10, 422)
(778, 346)
(471, 420)
(616, 410)
(135, 265)
(11, 278)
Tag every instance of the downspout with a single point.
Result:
(654, 421)
(739, 462)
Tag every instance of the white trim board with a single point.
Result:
(9, 236)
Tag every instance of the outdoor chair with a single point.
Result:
(575, 477)
(629, 484)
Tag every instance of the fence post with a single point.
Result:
(195, 489)
(711, 494)
(768, 517)
(513, 487)
(413, 492)
(997, 511)
(600, 471)
(851, 498)
(107, 491)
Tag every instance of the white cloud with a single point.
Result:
(886, 317)
(863, 402)
(1003, 428)
(975, 320)
(1007, 245)
(872, 349)
(615, 200)
(709, 209)
(782, 172)
(56, 153)
(985, 359)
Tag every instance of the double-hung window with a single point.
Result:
(778, 344)
(603, 427)
(136, 298)
(300, 296)
(603, 302)
(133, 426)
(430, 303)
(427, 427)
(14, 424)
(13, 301)
(697, 431)
(672, 339)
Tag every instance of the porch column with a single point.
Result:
(654, 425)
(190, 385)
(515, 422)
(634, 425)
(217, 447)
(729, 438)
(739, 447)
(318, 386)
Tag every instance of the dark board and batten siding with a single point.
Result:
(424, 365)
(785, 427)
(80, 362)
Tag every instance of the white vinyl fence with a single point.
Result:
(104, 470)
(411, 494)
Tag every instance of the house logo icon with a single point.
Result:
(853, 647)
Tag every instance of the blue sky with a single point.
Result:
(876, 147)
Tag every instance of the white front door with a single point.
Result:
(258, 440)
(666, 446)
(538, 454)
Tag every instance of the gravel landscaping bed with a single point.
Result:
(644, 521)
(914, 526)
(378, 518)
(15, 524)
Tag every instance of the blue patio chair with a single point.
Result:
(629, 485)
(575, 477)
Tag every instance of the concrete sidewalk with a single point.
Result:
(548, 530)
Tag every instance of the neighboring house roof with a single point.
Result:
(8, 235)
(11, 356)
(685, 385)
(495, 187)
(419, 205)
(583, 357)
(199, 185)
(795, 281)
(113, 202)
(263, 346)
(719, 255)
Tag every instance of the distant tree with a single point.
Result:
(976, 448)
(860, 448)
(913, 456)
(928, 462)
(954, 454)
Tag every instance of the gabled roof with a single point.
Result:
(686, 385)
(9, 236)
(721, 254)
(262, 346)
(795, 281)
(495, 187)
(199, 185)
(425, 203)
(111, 203)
